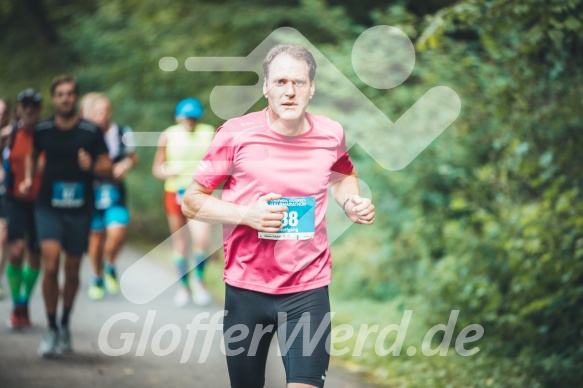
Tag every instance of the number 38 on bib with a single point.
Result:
(299, 220)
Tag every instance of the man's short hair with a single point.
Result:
(62, 79)
(294, 51)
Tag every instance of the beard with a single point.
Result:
(67, 114)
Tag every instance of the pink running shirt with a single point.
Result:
(253, 160)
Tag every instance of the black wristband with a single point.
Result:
(344, 204)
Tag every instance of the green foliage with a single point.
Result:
(499, 215)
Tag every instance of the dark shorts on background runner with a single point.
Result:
(21, 223)
(246, 357)
(71, 229)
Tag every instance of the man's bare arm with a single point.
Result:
(345, 187)
(160, 159)
(199, 204)
(30, 163)
(102, 166)
(346, 193)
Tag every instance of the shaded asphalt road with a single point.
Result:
(134, 331)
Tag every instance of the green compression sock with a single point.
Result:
(29, 277)
(14, 275)
(182, 268)
(199, 260)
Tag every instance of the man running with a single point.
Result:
(19, 208)
(75, 153)
(180, 147)
(277, 165)
(111, 216)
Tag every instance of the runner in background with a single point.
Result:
(111, 215)
(19, 208)
(75, 153)
(180, 147)
(4, 127)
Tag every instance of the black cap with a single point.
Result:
(30, 94)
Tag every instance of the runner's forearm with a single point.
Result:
(102, 166)
(30, 164)
(132, 160)
(204, 207)
(345, 188)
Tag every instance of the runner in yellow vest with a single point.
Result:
(180, 147)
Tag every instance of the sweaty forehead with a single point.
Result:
(286, 66)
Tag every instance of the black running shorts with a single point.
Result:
(21, 223)
(71, 229)
(302, 322)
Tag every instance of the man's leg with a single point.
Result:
(114, 238)
(176, 221)
(201, 236)
(96, 290)
(31, 269)
(51, 252)
(95, 251)
(303, 334)
(15, 230)
(116, 221)
(180, 245)
(72, 266)
(30, 276)
(49, 230)
(75, 243)
(14, 273)
(250, 313)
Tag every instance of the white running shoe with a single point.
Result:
(200, 295)
(182, 297)
(65, 343)
(48, 347)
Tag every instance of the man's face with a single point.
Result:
(99, 112)
(64, 99)
(288, 89)
(29, 112)
(187, 122)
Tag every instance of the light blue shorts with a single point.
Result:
(112, 216)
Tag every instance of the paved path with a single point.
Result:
(143, 363)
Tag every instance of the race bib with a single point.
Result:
(106, 195)
(68, 194)
(180, 196)
(298, 222)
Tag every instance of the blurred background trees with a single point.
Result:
(487, 220)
